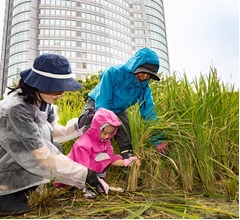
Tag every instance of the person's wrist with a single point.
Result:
(126, 154)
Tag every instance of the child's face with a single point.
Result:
(107, 132)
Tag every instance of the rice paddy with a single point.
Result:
(197, 179)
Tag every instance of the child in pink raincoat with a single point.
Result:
(94, 150)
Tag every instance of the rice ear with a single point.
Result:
(133, 177)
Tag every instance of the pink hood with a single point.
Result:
(89, 145)
(101, 117)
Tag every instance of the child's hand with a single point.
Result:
(128, 162)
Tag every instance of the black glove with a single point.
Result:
(86, 117)
(93, 182)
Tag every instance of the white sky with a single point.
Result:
(201, 34)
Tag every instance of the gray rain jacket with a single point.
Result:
(27, 156)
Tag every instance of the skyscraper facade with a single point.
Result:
(91, 34)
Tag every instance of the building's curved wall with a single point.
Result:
(18, 38)
(91, 34)
(94, 35)
(157, 30)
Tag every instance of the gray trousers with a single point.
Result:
(123, 135)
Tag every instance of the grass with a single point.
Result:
(54, 203)
(202, 123)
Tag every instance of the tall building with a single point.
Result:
(91, 34)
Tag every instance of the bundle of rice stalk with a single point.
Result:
(133, 177)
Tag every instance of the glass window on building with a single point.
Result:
(84, 65)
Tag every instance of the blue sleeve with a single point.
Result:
(105, 90)
(147, 106)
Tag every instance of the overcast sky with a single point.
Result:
(201, 34)
(204, 33)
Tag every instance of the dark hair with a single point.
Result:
(29, 93)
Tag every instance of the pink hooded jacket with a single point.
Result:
(89, 145)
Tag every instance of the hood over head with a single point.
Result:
(141, 58)
(151, 69)
(102, 118)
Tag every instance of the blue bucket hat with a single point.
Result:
(50, 73)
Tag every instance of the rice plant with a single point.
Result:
(202, 119)
(200, 123)
(199, 120)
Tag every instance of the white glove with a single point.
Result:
(104, 184)
(128, 161)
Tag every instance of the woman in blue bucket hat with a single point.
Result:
(28, 157)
